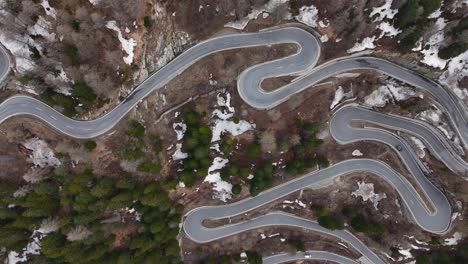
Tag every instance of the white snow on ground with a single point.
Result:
(19, 47)
(94, 2)
(389, 92)
(339, 95)
(431, 115)
(296, 202)
(60, 81)
(180, 129)
(406, 254)
(357, 153)
(127, 44)
(50, 11)
(384, 11)
(41, 28)
(324, 38)
(452, 241)
(324, 23)
(457, 69)
(431, 47)
(388, 30)
(221, 122)
(366, 43)
(222, 189)
(418, 45)
(458, 4)
(42, 156)
(34, 245)
(435, 14)
(267, 8)
(226, 102)
(48, 225)
(308, 15)
(178, 154)
(419, 147)
(366, 191)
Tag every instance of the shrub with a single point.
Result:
(407, 14)
(254, 257)
(53, 99)
(430, 6)
(90, 145)
(75, 24)
(135, 129)
(460, 27)
(72, 52)
(331, 223)
(236, 189)
(319, 210)
(453, 50)
(262, 179)
(84, 94)
(149, 167)
(25, 79)
(147, 22)
(35, 54)
(156, 143)
(227, 145)
(349, 212)
(254, 150)
(360, 224)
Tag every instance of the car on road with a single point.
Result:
(307, 256)
(399, 147)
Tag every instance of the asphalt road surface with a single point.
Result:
(4, 63)
(435, 219)
(308, 255)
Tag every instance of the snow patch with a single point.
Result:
(308, 15)
(42, 156)
(357, 153)
(453, 241)
(223, 190)
(389, 92)
(431, 50)
(339, 95)
(419, 147)
(178, 154)
(366, 191)
(366, 43)
(435, 14)
(50, 11)
(221, 122)
(267, 8)
(457, 69)
(384, 11)
(94, 2)
(128, 45)
(324, 38)
(388, 30)
(180, 129)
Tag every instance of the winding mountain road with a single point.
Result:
(436, 219)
